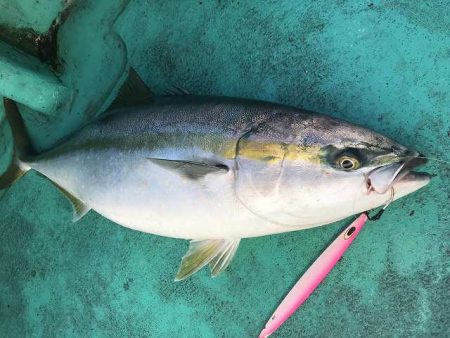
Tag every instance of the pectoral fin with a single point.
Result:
(188, 169)
(218, 253)
(79, 207)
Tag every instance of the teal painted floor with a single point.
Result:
(382, 64)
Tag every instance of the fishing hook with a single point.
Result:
(377, 216)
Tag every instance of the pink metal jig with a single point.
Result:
(313, 276)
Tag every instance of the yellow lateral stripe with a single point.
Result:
(274, 152)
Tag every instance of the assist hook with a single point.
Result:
(377, 216)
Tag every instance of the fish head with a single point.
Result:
(369, 169)
(314, 169)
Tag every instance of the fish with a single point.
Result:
(215, 170)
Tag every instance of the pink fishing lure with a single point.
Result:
(313, 276)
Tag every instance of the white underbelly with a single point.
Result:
(165, 203)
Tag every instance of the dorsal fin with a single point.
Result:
(133, 93)
(177, 91)
(79, 207)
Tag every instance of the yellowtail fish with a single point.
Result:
(215, 169)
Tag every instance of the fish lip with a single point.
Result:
(415, 176)
(395, 172)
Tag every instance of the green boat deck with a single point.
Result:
(383, 64)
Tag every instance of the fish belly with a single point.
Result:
(134, 192)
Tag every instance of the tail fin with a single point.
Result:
(22, 146)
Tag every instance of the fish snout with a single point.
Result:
(381, 179)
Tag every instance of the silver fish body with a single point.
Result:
(221, 168)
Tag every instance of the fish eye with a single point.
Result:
(348, 163)
(347, 159)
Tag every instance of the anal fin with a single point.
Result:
(79, 207)
(218, 253)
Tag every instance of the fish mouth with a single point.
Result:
(383, 178)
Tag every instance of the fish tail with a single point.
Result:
(15, 171)
(22, 146)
